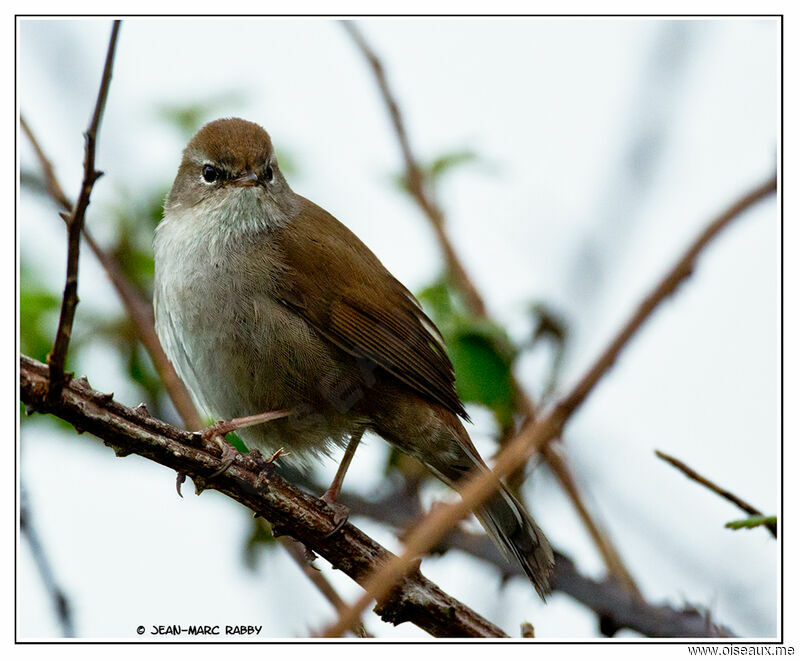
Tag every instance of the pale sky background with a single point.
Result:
(608, 145)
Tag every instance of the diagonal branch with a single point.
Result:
(61, 602)
(251, 481)
(724, 493)
(536, 434)
(57, 358)
(420, 191)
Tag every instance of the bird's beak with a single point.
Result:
(246, 179)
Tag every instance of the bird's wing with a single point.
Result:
(344, 292)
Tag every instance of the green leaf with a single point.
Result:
(481, 352)
(438, 299)
(237, 442)
(433, 171)
(483, 373)
(752, 522)
(38, 315)
(447, 162)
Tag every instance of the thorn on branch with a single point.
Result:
(119, 450)
(199, 485)
(180, 478)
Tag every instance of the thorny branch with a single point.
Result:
(535, 434)
(420, 191)
(58, 356)
(251, 481)
(724, 493)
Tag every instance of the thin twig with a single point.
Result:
(59, 598)
(56, 359)
(421, 193)
(724, 493)
(251, 481)
(296, 553)
(534, 435)
(137, 306)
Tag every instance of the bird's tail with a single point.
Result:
(516, 534)
(505, 519)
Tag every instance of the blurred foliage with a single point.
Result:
(752, 522)
(481, 351)
(434, 170)
(258, 539)
(38, 319)
(134, 218)
(187, 118)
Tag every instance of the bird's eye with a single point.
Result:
(268, 173)
(210, 174)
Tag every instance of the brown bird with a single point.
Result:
(266, 304)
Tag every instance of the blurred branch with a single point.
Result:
(417, 186)
(303, 559)
(251, 481)
(57, 358)
(611, 557)
(417, 183)
(138, 307)
(52, 185)
(649, 118)
(616, 606)
(535, 435)
(612, 601)
(724, 493)
(57, 595)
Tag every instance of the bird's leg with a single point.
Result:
(227, 426)
(331, 496)
(217, 431)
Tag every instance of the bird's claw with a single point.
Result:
(341, 513)
(229, 455)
